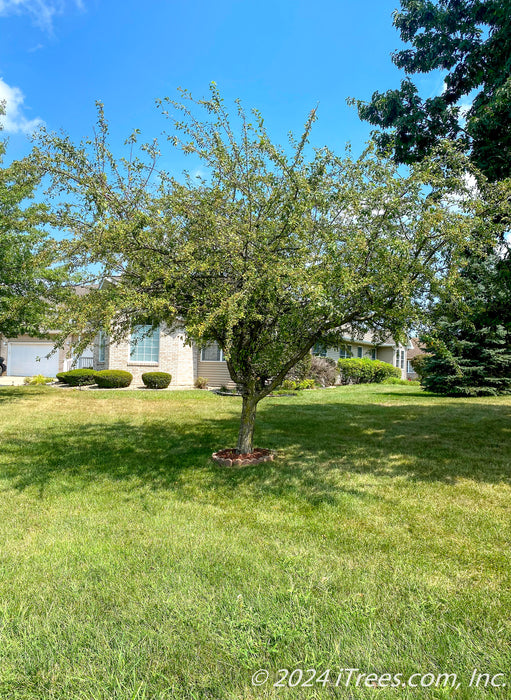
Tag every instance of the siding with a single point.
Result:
(334, 353)
(216, 373)
(383, 353)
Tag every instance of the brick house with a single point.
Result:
(162, 350)
(165, 350)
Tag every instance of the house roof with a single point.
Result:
(82, 289)
(417, 349)
(368, 338)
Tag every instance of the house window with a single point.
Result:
(101, 346)
(212, 353)
(145, 344)
(409, 368)
(359, 351)
(319, 350)
(373, 354)
(345, 351)
(400, 359)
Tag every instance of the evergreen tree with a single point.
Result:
(470, 347)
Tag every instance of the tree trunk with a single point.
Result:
(246, 434)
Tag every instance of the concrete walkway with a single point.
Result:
(11, 381)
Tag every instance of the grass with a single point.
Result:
(134, 567)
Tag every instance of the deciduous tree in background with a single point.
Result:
(30, 281)
(470, 40)
(276, 249)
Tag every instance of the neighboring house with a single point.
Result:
(26, 356)
(162, 350)
(415, 350)
(365, 347)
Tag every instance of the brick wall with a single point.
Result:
(174, 357)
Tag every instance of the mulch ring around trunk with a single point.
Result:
(230, 458)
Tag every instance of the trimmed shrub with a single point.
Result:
(365, 371)
(306, 384)
(156, 380)
(113, 378)
(323, 371)
(201, 383)
(37, 380)
(78, 377)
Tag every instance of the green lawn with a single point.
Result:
(134, 567)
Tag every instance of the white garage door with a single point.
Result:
(27, 359)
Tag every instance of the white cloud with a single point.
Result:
(14, 121)
(41, 11)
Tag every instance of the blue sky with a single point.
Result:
(282, 56)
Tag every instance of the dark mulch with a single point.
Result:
(230, 453)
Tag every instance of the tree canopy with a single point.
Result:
(470, 40)
(30, 280)
(275, 249)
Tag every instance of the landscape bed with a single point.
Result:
(135, 567)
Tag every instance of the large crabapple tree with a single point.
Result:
(272, 250)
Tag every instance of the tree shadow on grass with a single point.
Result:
(15, 393)
(318, 446)
(157, 454)
(436, 442)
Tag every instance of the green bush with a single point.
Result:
(306, 384)
(37, 380)
(289, 384)
(113, 378)
(78, 377)
(201, 382)
(156, 380)
(419, 363)
(365, 371)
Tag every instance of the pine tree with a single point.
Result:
(470, 346)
